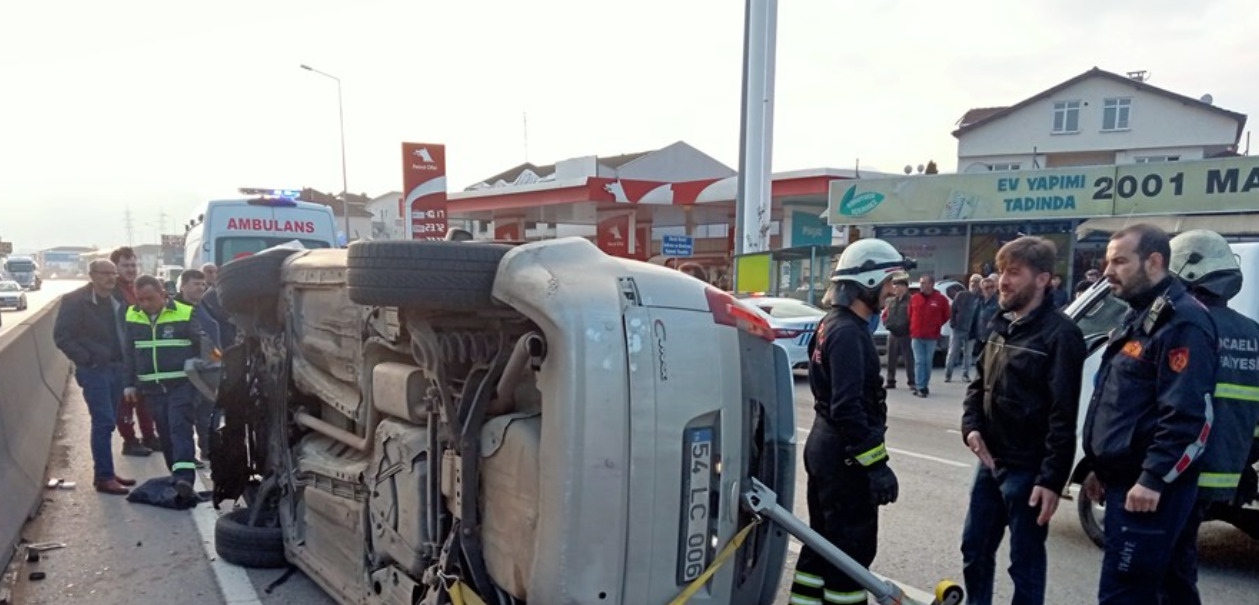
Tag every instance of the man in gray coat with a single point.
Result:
(963, 320)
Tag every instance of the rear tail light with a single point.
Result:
(784, 333)
(728, 311)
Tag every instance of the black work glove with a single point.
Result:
(883, 485)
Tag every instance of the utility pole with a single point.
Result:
(756, 141)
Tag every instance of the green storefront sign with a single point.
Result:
(1207, 186)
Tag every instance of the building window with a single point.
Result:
(1115, 114)
(1155, 159)
(1005, 167)
(1066, 116)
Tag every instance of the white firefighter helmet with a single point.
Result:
(870, 262)
(1199, 253)
(1205, 262)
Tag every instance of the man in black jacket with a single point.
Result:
(89, 331)
(1019, 419)
(1149, 418)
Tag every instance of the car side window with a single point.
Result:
(1103, 315)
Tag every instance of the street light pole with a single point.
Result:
(345, 189)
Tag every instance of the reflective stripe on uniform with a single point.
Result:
(174, 342)
(1194, 451)
(1257, 430)
(1219, 480)
(810, 580)
(1237, 391)
(184, 466)
(877, 453)
(797, 599)
(154, 377)
(857, 596)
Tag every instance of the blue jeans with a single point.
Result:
(997, 501)
(961, 350)
(102, 389)
(924, 355)
(1140, 547)
(174, 410)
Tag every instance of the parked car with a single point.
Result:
(541, 423)
(1097, 312)
(793, 322)
(949, 288)
(12, 295)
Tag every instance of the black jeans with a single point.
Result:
(898, 347)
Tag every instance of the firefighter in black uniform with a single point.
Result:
(1203, 260)
(844, 456)
(1149, 418)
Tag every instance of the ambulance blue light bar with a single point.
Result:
(272, 197)
(291, 194)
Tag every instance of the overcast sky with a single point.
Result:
(154, 106)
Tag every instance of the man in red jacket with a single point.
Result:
(928, 312)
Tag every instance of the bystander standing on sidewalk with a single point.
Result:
(132, 413)
(89, 331)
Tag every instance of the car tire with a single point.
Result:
(1091, 516)
(428, 274)
(245, 283)
(256, 547)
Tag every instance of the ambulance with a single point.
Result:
(223, 230)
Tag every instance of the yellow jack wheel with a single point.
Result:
(949, 593)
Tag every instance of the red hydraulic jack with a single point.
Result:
(762, 501)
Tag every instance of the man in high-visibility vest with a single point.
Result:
(1204, 261)
(160, 337)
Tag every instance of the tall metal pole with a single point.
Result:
(756, 140)
(345, 188)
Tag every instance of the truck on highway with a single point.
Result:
(413, 422)
(24, 271)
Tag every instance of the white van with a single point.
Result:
(223, 230)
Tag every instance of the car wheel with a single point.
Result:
(434, 275)
(246, 283)
(1092, 517)
(239, 543)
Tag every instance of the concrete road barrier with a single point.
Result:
(33, 378)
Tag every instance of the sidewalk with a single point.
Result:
(116, 551)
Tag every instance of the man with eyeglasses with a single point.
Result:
(89, 331)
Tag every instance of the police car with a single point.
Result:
(793, 322)
(1097, 312)
(541, 423)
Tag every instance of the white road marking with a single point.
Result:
(954, 431)
(233, 581)
(805, 432)
(911, 592)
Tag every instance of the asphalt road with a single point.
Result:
(118, 552)
(36, 300)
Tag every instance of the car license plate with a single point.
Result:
(697, 470)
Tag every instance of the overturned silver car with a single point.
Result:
(537, 424)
